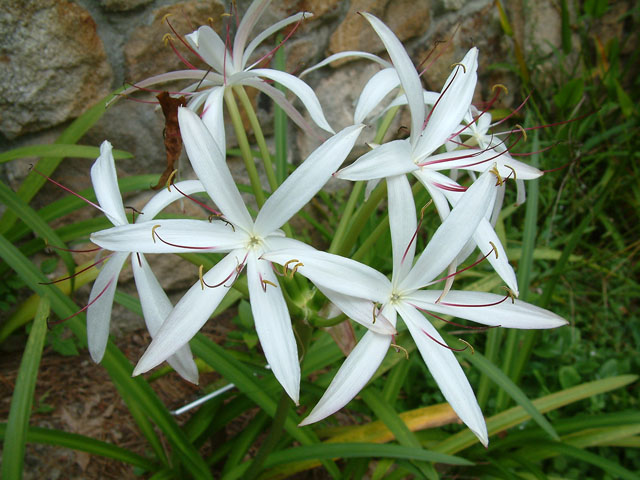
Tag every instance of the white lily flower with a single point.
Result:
(232, 67)
(402, 295)
(246, 241)
(155, 303)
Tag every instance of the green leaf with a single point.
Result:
(349, 450)
(505, 383)
(516, 415)
(76, 442)
(59, 150)
(22, 399)
(570, 94)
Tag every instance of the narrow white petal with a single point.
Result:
(486, 239)
(210, 165)
(206, 42)
(273, 325)
(353, 375)
(406, 72)
(100, 304)
(301, 90)
(450, 109)
(347, 54)
(249, 20)
(337, 273)
(268, 32)
(105, 184)
(453, 234)
(191, 312)
(156, 307)
(213, 118)
(508, 314)
(521, 192)
(360, 310)
(171, 236)
(374, 92)
(371, 185)
(167, 196)
(446, 371)
(403, 225)
(393, 158)
(306, 180)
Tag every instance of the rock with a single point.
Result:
(407, 19)
(122, 5)
(146, 53)
(54, 65)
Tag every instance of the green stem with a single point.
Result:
(245, 148)
(280, 119)
(359, 219)
(257, 131)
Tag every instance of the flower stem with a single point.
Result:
(257, 131)
(245, 148)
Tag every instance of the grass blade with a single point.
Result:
(22, 400)
(59, 150)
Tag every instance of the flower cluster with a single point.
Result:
(447, 135)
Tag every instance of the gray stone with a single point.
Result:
(54, 65)
(123, 5)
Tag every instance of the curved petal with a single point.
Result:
(105, 184)
(100, 304)
(487, 239)
(171, 236)
(213, 118)
(267, 33)
(451, 107)
(167, 196)
(278, 97)
(156, 307)
(487, 309)
(337, 273)
(353, 375)
(306, 180)
(273, 325)
(347, 54)
(299, 88)
(479, 160)
(393, 158)
(206, 42)
(446, 371)
(209, 163)
(406, 72)
(403, 225)
(191, 312)
(374, 91)
(361, 311)
(453, 234)
(249, 20)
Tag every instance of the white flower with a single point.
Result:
(232, 67)
(245, 240)
(155, 303)
(403, 296)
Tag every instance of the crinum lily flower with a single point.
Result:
(245, 240)
(155, 303)
(403, 296)
(428, 133)
(230, 67)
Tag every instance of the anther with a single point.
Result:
(512, 171)
(468, 345)
(521, 128)
(501, 86)
(200, 276)
(374, 313)
(166, 38)
(153, 232)
(170, 179)
(267, 282)
(510, 294)
(166, 17)
(494, 170)
(398, 348)
(495, 250)
(459, 65)
(286, 265)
